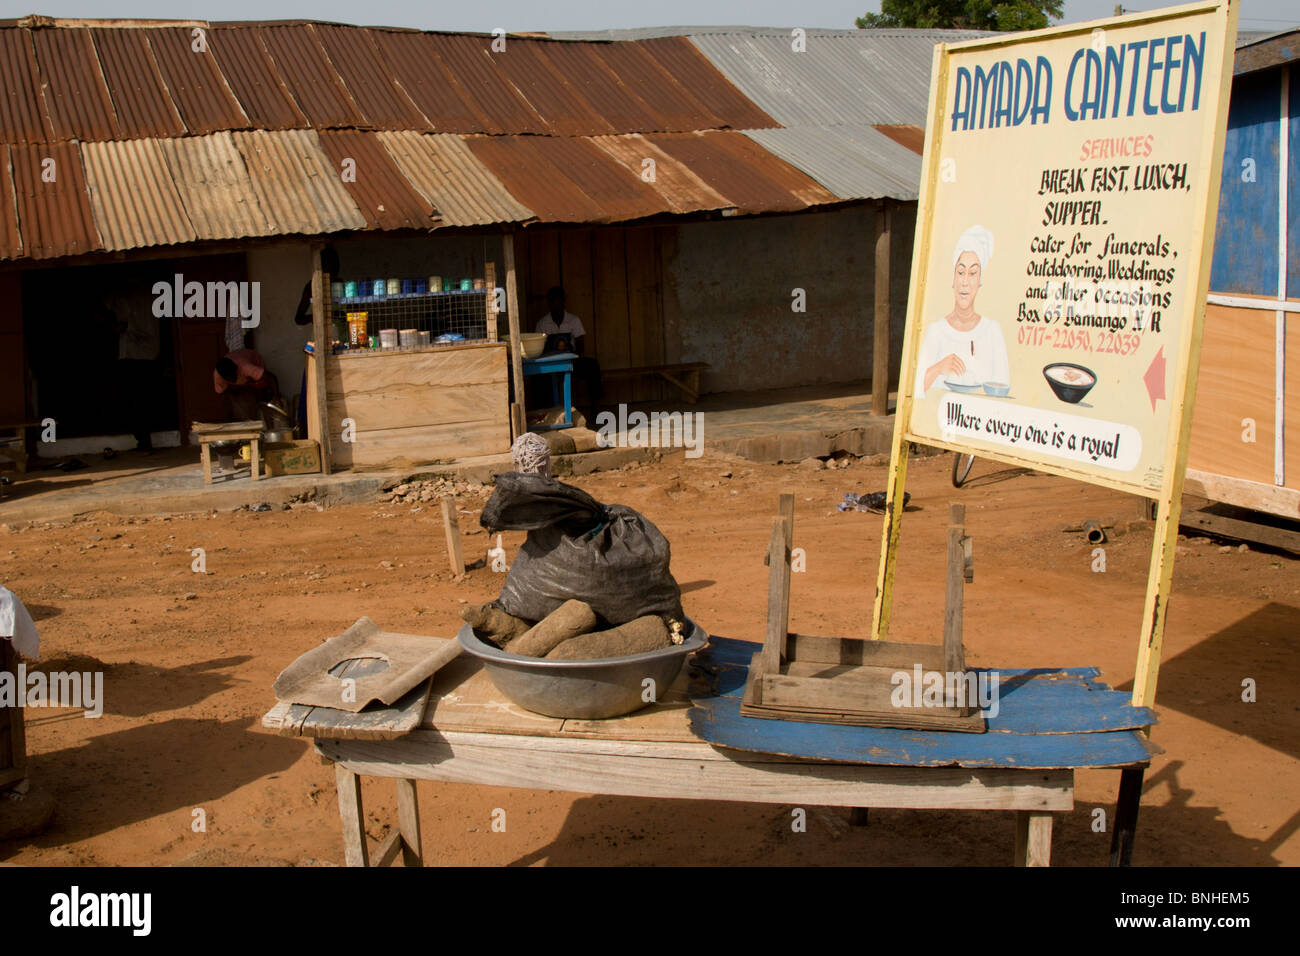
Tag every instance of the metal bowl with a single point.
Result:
(591, 690)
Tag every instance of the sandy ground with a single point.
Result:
(189, 660)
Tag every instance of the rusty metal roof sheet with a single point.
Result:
(295, 182)
(418, 69)
(853, 162)
(75, 92)
(543, 83)
(751, 177)
(253, 78)
(681, 189)
(215, 188)
(504, 108)
(676, 106)
(22, 103)
(378, 188)
(133, 195)
(11, 240)
(53, 211)
(135, 84)
(910, 137)
(707, 83)
(447, 174)
(317, 88)
(196, 85)
(378, 97)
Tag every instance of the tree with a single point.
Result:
(964, 14)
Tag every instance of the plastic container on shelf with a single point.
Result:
(388, 338)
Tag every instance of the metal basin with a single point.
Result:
(595, 689)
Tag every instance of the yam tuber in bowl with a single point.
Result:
(588, 690)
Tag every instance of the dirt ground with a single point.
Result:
(189, 660)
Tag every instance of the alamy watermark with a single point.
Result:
(84, 689)
(922, 688)
(208, 300)
(651, 430)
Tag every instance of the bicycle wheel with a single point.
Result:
(961, 466)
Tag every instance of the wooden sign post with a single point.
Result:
(1061, 265)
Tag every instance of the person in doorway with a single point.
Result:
(138, 342)
(242, 376)
(329, 264)
(558, 321)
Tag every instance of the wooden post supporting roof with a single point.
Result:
(880, 340)
(516, 352)
(321, 339)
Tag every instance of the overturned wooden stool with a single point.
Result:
(837, 680)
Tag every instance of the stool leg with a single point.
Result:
(1126, 817)
(257, 459)
(206, 452)
(408, 822)
(348, 785)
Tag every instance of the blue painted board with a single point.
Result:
(1032, 701)
(718, 721)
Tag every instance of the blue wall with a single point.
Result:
(1245, 243)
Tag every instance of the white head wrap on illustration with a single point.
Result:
(978, 240)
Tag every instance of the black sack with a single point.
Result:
(609, 556)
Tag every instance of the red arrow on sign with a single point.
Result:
(1155, 377)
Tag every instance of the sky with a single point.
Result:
(525, 15)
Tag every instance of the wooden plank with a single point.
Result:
(374, 723)
(847, 650)
(1255, 531)
(543, 253)
(778, 596)
(321, 337)
(13, 744)
(1238, 345)
(348, 786)
(693, 771)
(862, 696)
(389, 849)
(645, 306)
(1033, 838)
(490, 283)
(1255, 495)
(652, 369)
(451, 527)
(483, 364)
(577, 276)
(423, 444)
(315, 422)
(408, 821)
(417, 405)
(880, 319)
(515, 319)
(954, 656)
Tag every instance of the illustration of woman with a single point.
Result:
(964, 347)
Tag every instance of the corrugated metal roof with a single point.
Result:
(381, 101)
(379, 189)
(136, 85)
(11, 240)
(505, 109)
(253, 78)
(55, 217)
(909, 137)
(676, 107)
(415, 64)
(133, 196)
(527, 67)
(752, 178)
(197, 87)
(681, 189)
(215, 188)
(565, 179)
(75, 93)
(22, 105)
(317, 88)
(447, 174)
(295, 183)
(706, 82)
(853, 162)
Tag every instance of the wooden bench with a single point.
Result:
(208, 432)
(13, 444)
(685, 376)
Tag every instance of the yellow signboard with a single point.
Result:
(1062, 252)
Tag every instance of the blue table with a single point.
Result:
(556, 363)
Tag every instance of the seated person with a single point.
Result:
(242, 376)
(329, 264)
(557, 321)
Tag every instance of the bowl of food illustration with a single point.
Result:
(1070, 382)
(1000, 389)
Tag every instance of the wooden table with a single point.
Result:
(208, 432)
(471, 734)
(556, 363)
